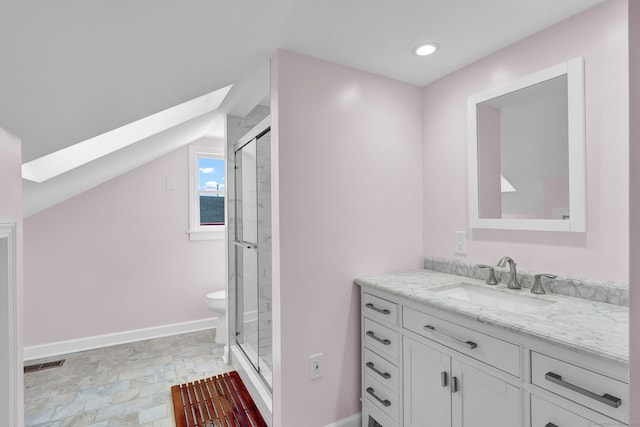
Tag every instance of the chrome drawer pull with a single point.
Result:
(550, 425)
(469, 344)
(607, 399)
(385, 375)
(379, 310)
(443, 379)
(384, 402)
(383, 341)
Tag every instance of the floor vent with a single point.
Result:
(43, 366)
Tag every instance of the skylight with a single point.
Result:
(66, 159)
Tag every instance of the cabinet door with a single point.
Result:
(482, 400)
(427, 398)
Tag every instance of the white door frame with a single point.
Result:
(10, 365)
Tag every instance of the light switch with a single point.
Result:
(171, 183)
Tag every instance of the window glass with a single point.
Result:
(211, 187)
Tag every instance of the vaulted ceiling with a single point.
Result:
(74, 69)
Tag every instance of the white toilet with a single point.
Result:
(217, 302)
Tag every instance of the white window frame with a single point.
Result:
(197, 231)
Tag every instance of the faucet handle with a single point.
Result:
(491, 278)
(537, 284)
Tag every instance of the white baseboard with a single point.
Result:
(98, 341)
(354, 420)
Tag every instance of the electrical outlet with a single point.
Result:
(460, 242)
(315, 366)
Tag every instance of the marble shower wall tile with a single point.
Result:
(594, 290)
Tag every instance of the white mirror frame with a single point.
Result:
(577, 222)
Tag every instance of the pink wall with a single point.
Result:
(600, 36)
(11, 209)
(118, 258)
(347, 147)
(634, 234)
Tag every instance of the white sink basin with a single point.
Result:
(495, 299)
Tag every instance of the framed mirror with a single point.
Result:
(527, 165)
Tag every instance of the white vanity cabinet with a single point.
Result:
(381, 347)
(442, 391)
(599, 397)
(546, 414)
(442, 387)
(428, 367)
(418, 372)
(427, 385)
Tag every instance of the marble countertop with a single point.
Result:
(590, 327)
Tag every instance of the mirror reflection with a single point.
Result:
(527, 157)
(523, 153)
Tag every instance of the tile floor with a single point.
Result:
(123, 385)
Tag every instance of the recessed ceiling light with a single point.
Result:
(425, 49)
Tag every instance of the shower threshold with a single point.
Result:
(257, 388)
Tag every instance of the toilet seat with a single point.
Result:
(217, 295)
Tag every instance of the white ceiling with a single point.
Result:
(73, 69)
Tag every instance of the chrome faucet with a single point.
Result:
(513, 273)
(537, 284)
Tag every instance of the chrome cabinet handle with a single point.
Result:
(443, 379)
(454, 384)
(380, 340)
(384, 402)
(607, 399)
(385, 375)
(379, 310)
(469, 344)
(550, 425)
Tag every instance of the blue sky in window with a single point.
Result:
(211, 174)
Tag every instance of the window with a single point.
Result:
(207, 193)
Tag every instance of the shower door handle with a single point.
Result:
(244, 244)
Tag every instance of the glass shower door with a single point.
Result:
(246, 246)
(252, 242)
(265, 328)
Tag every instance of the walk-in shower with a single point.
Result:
(250, 259)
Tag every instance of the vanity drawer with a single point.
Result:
(371, 417)
(591, 389)
(493, 351)
(380, 309)
(381, 339)
(545, 414)
(382, 398)
(383, 370)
